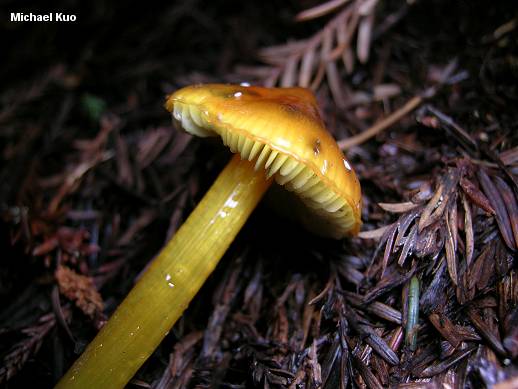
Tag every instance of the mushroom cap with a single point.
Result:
(281, 130)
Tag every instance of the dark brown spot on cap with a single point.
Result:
(316, 147)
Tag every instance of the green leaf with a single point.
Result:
(93, 106)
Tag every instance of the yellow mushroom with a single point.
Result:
(277, 135)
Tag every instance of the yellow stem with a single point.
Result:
(155, 303)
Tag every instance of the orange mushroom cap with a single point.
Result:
(281, 130)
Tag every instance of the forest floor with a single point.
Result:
(95, 179)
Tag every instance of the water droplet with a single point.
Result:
(231, 203)
(168, 279)
(238, 94)
(323, 170)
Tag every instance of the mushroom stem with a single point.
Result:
(151, 308)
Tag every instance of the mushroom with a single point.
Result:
(276, 135)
